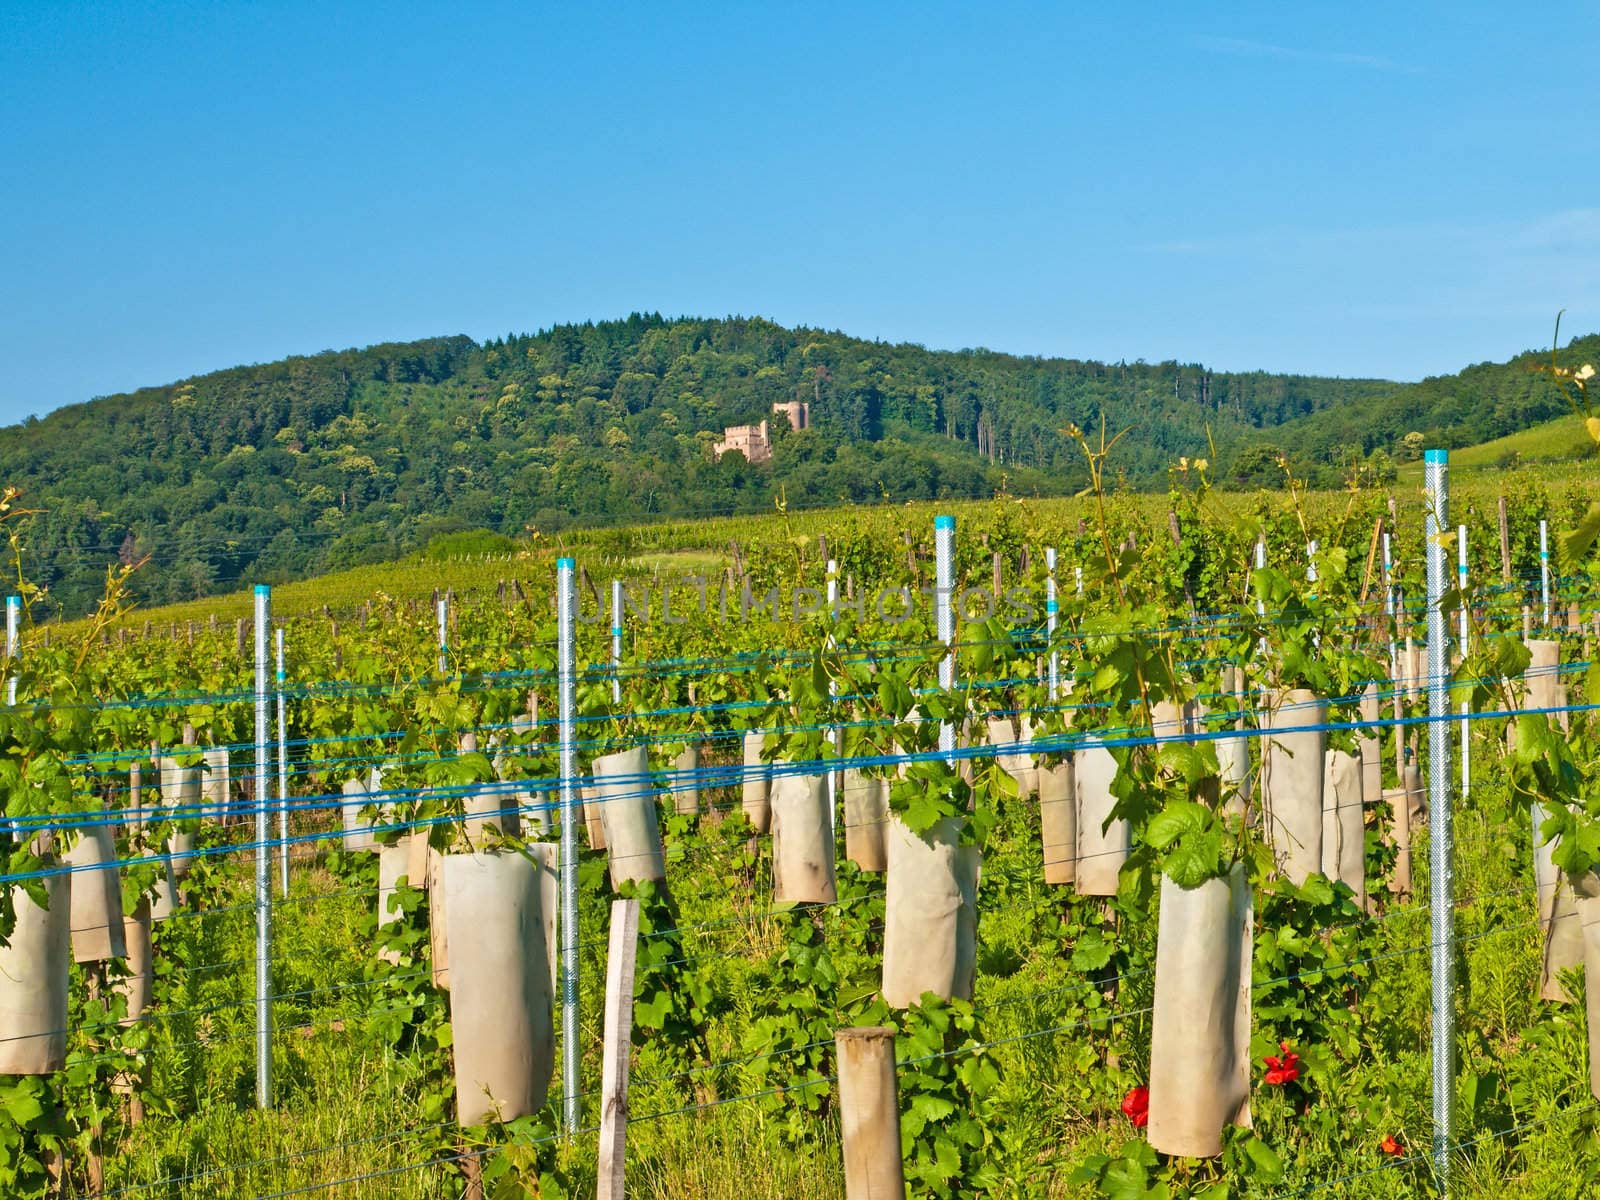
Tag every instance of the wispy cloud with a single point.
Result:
(1244, 48)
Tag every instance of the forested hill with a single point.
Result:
(309, 464)
(1479, 404)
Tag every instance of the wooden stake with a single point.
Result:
(1505, 544)
(618, 1041)
(1372, 558)
(869, 1113)
(135, 821)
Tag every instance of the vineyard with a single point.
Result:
(1058, 849)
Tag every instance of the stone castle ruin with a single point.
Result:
(753, 441)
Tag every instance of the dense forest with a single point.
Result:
(271, 472)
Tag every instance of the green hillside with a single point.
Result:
(1555, 440)
(311, 464)
(300, 467)
(1483, 405)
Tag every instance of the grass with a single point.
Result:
(1558, 440)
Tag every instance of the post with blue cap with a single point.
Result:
(13, 643)
(1441, 858)
(1544, 572)
(616, 641)
(566, 669)
(263, 859)
(1051, 609)
(443, 608)
(944, 551)
(836, 733)
(283, 777)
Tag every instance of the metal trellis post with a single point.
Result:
(836, 734)
(263, 597)
(1051, 608)
(1544, 571)
(944, 549)
(283, 775)
(13, 643)
(566, 611)
(443, 609)
(1441, 864)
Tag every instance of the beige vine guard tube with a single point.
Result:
(1291, 783)
(1017, 765)
(438, 936)
(136, 985)
(1200, 1024)
(217, 784)
(802, 841)
(500, 924)
(96, 921)
(866, 814)
(627, 803)
(1343, 834)
(593, 827)
(1371, 747)
(357, 825)
(757, 782)
(180, 788)
(1058, 822)
(930, 934)
(489, 812)
(686, 788)
(1400, 836)
(1233, 753)
(1103, 843)
(1589, 914)
(33, 982)
(394, 861)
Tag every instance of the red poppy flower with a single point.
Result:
(1282, 1068)
(1391, 1145)
(1136, 1106)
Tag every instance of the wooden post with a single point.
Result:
(1372, 560)
(618, 1040)
(869, 1113)
(999, 576)
(1505, 544)
(133, 819)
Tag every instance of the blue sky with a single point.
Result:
(1392, 190)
